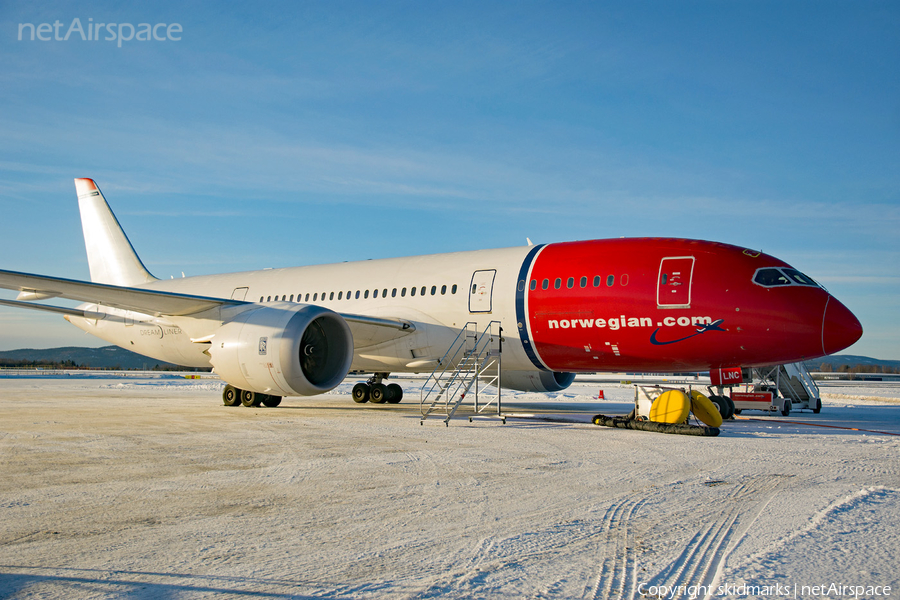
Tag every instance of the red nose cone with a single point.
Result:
(840, 328)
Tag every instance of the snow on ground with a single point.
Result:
(143, 487)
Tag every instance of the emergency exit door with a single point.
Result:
(481, 290)
(673, 288)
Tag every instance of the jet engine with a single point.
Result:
(537, 381)
(283, 350)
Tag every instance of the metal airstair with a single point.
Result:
(473, 360)
(792, 382)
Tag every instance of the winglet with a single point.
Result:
(111, 257)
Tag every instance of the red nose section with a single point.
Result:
(840, 327)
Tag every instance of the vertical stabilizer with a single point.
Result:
(111, 257)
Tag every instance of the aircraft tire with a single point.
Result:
(231, 396)
(731, 408)
(725, 409)
(394, 393)
(377, 393)
(818, 407)
(360, 392)
(250, 399)
(271, 401)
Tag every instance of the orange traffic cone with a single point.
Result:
(600, 397)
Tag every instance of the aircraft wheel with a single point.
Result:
(271, 401)
(786, 410)
(725, 406)
(394, 393)
(377, 393)
(731, 408)
(231, 396)
(737, 411)
(250, 399)
(360, 392)
(720, 406)
(818, 407)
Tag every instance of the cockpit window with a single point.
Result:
(799, 277)
(772, 277)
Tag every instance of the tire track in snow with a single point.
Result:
(702, 561)
(616, 576)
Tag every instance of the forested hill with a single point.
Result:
(108, 357)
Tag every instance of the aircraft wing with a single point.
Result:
(366, 330)
(140, 300)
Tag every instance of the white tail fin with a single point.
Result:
(111, 257)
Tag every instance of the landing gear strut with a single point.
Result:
(373, 390)
(233, 396)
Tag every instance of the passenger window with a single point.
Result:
(331, 296)
(394, 293)
(557, 283)
(292, 298)
(453, 289)
(433, 290)
(422, 291)
(341, 295)
(443, 290)
(596, 281)
(610, 280)
(584, 282)
(624, 279)
(366, 295)
(268, 298)
(570, 283)
(357, 294)
(403, 293)
(262, 298)
(545, 284)
(412, 291)
(384, 293)
(521, 285)
(533, 285)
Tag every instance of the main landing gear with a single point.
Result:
(373, 390)
(232, 396)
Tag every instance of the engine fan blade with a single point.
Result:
(314, 351)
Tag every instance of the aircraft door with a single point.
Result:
(673, 288)
(481, 290)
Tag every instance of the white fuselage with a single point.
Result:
(434, 292)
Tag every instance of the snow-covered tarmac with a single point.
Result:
(148, 488)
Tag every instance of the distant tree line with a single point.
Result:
(829, 368)
(6, 363)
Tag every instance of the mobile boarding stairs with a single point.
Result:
(781, 388)
(472, 361)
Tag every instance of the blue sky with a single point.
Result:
(300, 133)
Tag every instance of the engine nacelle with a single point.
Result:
(536, 381)
(283, 350)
